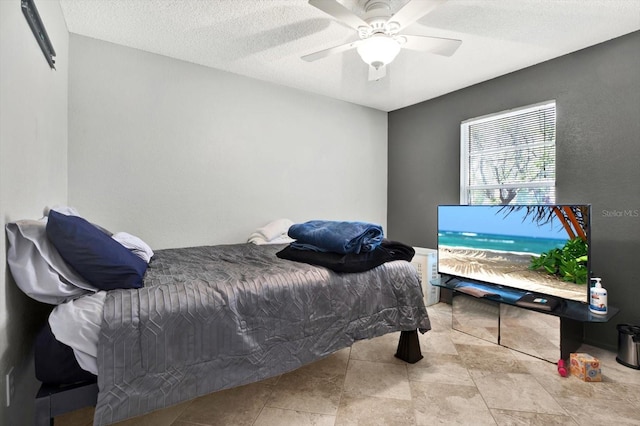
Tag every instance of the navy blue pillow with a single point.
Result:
(97, 257)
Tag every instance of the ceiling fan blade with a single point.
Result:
(376, 74)
(436, 45)
(330, 51)
(413, 11)
(339, 12)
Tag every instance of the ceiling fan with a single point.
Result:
(380, 41)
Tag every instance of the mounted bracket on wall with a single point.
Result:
(33, 18)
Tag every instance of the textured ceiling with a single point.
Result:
(264, 39)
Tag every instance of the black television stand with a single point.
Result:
(492, 312)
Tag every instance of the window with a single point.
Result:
(509, 157)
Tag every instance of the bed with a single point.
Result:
(214, 317)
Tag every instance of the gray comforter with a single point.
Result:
(211, 318)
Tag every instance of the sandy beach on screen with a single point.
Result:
(510, 269)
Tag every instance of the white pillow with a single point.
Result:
(135, 244)
(69, 211)
(37, 267)
(274, 232)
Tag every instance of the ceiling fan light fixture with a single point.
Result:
(378, 50)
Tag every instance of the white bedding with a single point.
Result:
(76, 323)
(274, 232)
(135, 244)
(41, 272)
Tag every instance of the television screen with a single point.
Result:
(537, 248)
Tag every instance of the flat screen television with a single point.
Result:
(542, 249)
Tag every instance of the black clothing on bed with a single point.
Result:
(387, 251)
(55, 362)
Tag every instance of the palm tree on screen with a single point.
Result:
(569, 262)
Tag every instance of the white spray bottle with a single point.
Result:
(598, 299)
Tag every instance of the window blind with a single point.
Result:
(509, 158)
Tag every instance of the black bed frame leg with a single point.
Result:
(409, 347)
(42, 415)
(52, 400)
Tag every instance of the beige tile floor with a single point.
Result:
(461, 380)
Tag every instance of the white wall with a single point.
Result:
(181, 155)
(176, 153)
(33, 174)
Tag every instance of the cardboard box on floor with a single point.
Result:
(586, 367)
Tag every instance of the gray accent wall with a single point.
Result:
(597, 93)
(33, 174)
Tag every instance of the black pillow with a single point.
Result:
(55, 362)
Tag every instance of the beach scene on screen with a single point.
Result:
(495, 244)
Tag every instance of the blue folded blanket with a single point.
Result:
(337, 237)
